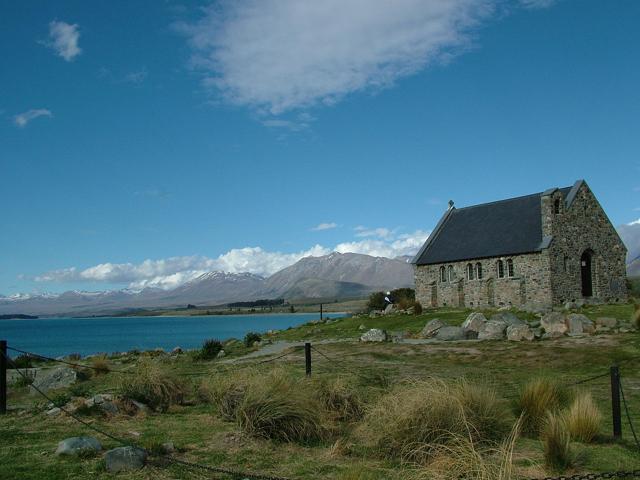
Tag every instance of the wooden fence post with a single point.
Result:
(320, 311)
(615, 402)
(307, 358)
(3, 377)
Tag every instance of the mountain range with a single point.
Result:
(337, 275)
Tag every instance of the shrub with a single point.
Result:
(417, 308)
(209, 350)
(403, 297)
(556, 442)
(376, 301)
(74, 357)
(636, 316)
(60, 399)
(340, 399)
(583, 418)
(21, 361)
(150, 385)
(250, 338)
(25, 379)
(414, 419)
(100, 365)
(537, 398)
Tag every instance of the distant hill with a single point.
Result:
(337, 275)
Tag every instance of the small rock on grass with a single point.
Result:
(124, 459)
(78, 445)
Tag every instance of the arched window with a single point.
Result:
(469, 271)
(510, 271)
(443, 274)
(479, 271)
(500, 268)
(556, 206)
(451, 273)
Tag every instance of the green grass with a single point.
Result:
(29, 438)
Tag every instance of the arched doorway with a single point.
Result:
(585, 273)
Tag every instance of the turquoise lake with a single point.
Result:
(62, 336)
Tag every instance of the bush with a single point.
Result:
(209, 350)
(21, 361)
(250, 338)
(414, 420)
(74, 357)
(150, 385)
(417, 308)
(537, 398)
(403, 297)
(60, 399)
(25, 379)
(276, 407)
(583, 418)
(376, 301)
(100, 365)
(556, 442)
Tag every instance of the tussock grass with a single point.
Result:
(556, 443)
(412, 421)
(536, 399)
(274, 406)
(152, 386)
(209, 350)
(583, 418)
(340, 399)
(100, 365)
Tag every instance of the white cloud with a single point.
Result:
(379, 232)
(22, 119)
(63, 39)
(136, 77)
(324, 226)
(171, 272)
(537, 3)
(280, 55)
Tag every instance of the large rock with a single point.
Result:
(492, 330)
(124, 459)
(474, 322)
(374, 335)
(553, 323)
(389, 308)
(607, 322)
(507, 317)
(431, 328)
(578, 324)
(59, 377)
(78, 445)
(517, 333)
(450, 333)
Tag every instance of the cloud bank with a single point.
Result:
(22, 119)
(280, 55)
(172, 272)
(63, 39)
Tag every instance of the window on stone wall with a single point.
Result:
(451, 274)
(510, 271)
(479, 271)
(556, 206)
(443, 274)
(500, 267)
(469, 272)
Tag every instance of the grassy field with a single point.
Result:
(202, 433)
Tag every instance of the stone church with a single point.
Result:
(532, 252)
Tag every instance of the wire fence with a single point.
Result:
(337, 366)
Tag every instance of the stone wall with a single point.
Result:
(581, 227)
(530, 284)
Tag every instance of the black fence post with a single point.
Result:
(307, 358)
(3, 377)
(615, 402)
(320, 311)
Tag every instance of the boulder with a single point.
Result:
(578, 324)
(431, 328)
(78, 445)
(492, 330)
(109, 407)
(124, 459)
(397, 336)
(375, 313)
(389, 308)
(607, 322)
(580, 303)
(362, 327)
(517, 333)
(569, 306)
(507, 317)
(553, 323)
(474, 322)
(552, 335)
(374, 335)
(221, 354)
(534, 324)
(537, 332)
(53, 412)
(448, 334)
(59, 377)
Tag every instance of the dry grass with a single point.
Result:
(583, 418)
(340, 399)
(556, 443)
(537, 398)
(100, 365)
(636, 316)
(412, 421)
(153, 386)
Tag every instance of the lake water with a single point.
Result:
(61, 336)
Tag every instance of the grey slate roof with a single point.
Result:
(506, 227)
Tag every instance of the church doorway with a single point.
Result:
(585, 273)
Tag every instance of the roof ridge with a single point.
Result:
(538, 194)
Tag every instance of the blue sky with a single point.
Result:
(144, 142)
